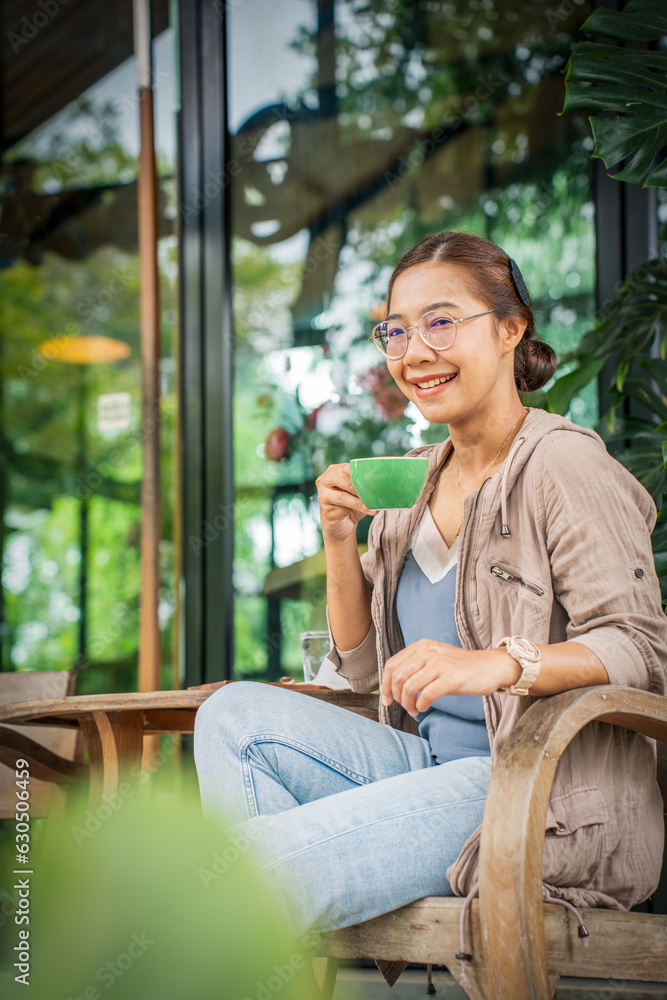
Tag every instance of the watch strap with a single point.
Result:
(530, 670)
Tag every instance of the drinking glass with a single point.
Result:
(314, 648)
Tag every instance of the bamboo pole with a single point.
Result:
(149, 630)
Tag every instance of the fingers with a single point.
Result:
(390, 669)
(403, 677)
(337, 498)
(396, 662)
(335, 490)
(337, 475)
(425, 670)
(417, 684)
(403, 689)
(411, 672)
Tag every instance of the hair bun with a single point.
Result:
(534, 364)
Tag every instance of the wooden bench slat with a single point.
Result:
(624, 946)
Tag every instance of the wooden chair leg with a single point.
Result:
(325, 971)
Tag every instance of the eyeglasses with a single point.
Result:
(436, 328)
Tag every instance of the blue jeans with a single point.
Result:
(348, 818)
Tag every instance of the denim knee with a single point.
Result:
(239, 707)
(217, 717)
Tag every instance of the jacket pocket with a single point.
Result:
(509, 576)
(574, 841)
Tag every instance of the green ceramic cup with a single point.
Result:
(388, 482)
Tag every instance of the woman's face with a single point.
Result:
(479, 366)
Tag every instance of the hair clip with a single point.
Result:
(519, 283)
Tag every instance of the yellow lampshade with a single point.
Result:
(84, 350)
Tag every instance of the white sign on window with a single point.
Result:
(114, 412)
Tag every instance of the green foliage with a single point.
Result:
(53, 454)
(146, 895)
(565, 388)
(263, 292)
(56, 457)
(628, 327)
(631, 83)
(631, 328)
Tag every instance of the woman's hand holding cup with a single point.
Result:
(340, 506)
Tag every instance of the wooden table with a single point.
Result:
(113, 725)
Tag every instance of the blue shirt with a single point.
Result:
(454, 725)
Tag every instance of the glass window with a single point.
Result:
(358, 128)
(70, 407)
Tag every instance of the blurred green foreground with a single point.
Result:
(150, 900)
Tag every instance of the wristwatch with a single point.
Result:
(528, 657)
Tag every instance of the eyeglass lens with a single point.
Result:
(437, 328)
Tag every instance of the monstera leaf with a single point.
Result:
(628, 84)
(629, 326)
(626, 327)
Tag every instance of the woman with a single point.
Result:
(523, 570)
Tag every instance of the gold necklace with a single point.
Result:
(459, 492)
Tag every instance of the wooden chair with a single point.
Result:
(521, 945)
(54, 755)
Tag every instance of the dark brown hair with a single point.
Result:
(488, 270)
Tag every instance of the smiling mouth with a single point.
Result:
(436, 381)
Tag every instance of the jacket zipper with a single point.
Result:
(385, 589)
(504, 575)
(464, 589)
(467, 618)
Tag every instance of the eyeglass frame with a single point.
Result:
(418, 329)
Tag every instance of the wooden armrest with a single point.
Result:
(45, 765)
(512, 840)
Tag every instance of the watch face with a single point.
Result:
(526, 649)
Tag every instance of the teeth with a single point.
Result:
(435, 381)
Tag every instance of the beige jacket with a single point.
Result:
(579, 540)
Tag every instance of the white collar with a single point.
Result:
(430, 550)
